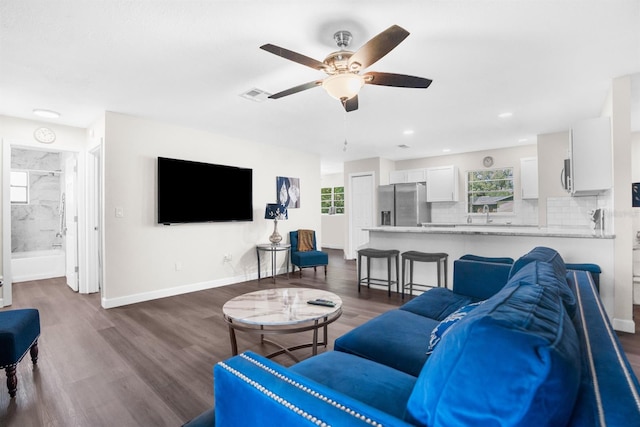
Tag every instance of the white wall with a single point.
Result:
(141, 256)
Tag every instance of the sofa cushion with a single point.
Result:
(369, 382)
(544, 274)
(397, 338)
(436, 303)
(497, 260)
(544, 254)
(479, 279)
(530, 376)
(445, 326)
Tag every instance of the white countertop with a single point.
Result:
(495, 229)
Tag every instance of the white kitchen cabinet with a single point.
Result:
(591, 170)
(397, 177)
(416, 175)
(409, 175)
(529, 178)
(442, 184)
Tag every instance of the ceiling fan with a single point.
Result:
(344, 67)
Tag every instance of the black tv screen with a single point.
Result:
(203, 192)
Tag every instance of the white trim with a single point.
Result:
(624, 325)
(177, 290)
(7, 293)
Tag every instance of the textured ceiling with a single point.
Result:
(550, 63)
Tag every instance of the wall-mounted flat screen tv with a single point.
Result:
(191, 191)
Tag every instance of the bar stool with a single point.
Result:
(440, 258)
(370, 253)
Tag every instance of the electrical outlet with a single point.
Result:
(227, 257)
(178, 266)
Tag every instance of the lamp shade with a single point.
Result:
(343, 86)
(276, 211)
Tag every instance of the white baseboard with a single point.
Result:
(170, 292)
(332, 246)
(624, 325)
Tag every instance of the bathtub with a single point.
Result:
(35, 265)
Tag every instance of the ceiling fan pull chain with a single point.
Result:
(344, 148)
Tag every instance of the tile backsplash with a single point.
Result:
(571, 212)
(526, 212)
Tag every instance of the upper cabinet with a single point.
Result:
(397, 177)
(410, 175)
(529, 178)
(591, 170)
(442, 184)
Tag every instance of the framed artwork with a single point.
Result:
(635, 195)
(288, 191)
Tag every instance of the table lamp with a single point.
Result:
(275, 212)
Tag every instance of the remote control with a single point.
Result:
(323, 302)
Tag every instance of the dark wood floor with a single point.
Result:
(150, 364)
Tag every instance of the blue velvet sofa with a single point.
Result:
(524, 342)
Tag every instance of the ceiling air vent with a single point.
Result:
(257, 95)
(403, 146)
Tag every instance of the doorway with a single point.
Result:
(40, 212)
(361, 199)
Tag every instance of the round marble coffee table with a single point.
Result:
(281, 311)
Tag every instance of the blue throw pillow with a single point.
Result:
(445, 326)
(529, 377)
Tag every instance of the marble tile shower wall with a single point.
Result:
(526, 212)
(34, 225)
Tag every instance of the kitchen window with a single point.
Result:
(490, 191)
(332, 200)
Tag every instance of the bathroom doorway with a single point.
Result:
(43, 214)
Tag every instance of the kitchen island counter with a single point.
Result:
(495, 229)
(492, 240)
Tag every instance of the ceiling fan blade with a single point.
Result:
(296, 89)
(294, 56)
(350, 104)
(395, 80)
(377, 47)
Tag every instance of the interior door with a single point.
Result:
(94, 257)
(69, 219)
(361, 211)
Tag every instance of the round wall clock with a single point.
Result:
(487, 161)
(44, 135)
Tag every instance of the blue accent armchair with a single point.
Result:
(304, 259)
(19, 332)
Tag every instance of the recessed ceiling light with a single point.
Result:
(408, 132)
(505, 115)
(446, 150)
(523, 140)
(46, 113)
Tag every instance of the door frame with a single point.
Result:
(94, 226)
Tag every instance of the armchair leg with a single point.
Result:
(34, 352)
(325, 270)
(12, 380)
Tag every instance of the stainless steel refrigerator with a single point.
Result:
(403, 204)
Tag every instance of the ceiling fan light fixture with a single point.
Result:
(343, 86)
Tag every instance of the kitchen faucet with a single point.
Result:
(485, 209)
